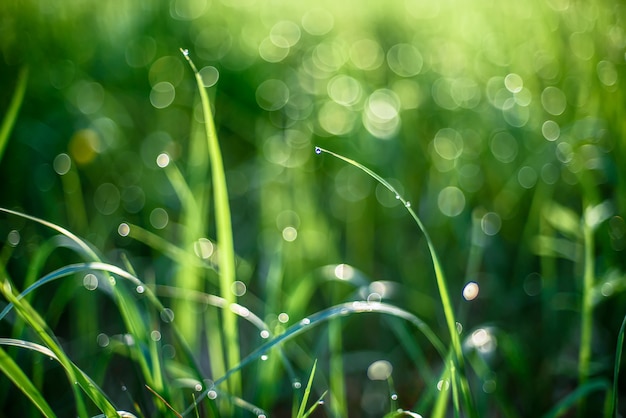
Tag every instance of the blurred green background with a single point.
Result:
(501, 122)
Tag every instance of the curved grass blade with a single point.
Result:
(75, 268)
(17, 376)
(439, 275)
(573, 398)
(325, 315)
(223, 225)
(16, 102)
(77, 379)
(89, 252)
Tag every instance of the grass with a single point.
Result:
(465, 240)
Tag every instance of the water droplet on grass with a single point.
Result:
(394, 397)
(318, 150)
(167, 315)
(198, 387)
(305, 321)
(185, 52)
(443, 384)
(264, 357)
(90, 281)
(407, 204)
(140, 289)
(265, 334)
(123, 229)
(211, 394)
(296, 384)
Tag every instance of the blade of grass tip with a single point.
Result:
(439, 275)
(89, 252)
(11, 116)
(17, 376)
(313, 407)
(307, 392)
(223, 225)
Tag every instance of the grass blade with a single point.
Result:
(344, 309)
(16, 102)
(618, 361)
(307, 392)
(440, 277)
(223, 225)
(576, 396)
(77, 379)
(17, 376)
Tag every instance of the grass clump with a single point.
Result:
(250, 277)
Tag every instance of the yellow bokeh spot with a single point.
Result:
(84, 146)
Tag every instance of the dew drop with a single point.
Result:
(261, 416)
(123, 229)
(124, 388)
(407, 204)
(102, 339)
(167, 315)
(305, 321)
(163, 160)
(283, 318)
(90, 281)
(265, 334)
(140, 289)
(398, 196)
(394, 397)
(443, 385)
(297, 384)
(318, 150)
(185, 52)
(320, 402)
(264, 357)
(211, 394)
(198, 387)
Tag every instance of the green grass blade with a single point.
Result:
(586, 321)
(344, 309)
(618, 361)
(439, 275)
(307, 392)
(77, 379)
(85, 248)
(16, 102)
(576, 396)
(17, 376)
(315, 405)
(224, 227)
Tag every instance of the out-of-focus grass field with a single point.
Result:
(502, 123)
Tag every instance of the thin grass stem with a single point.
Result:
(224, 228)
